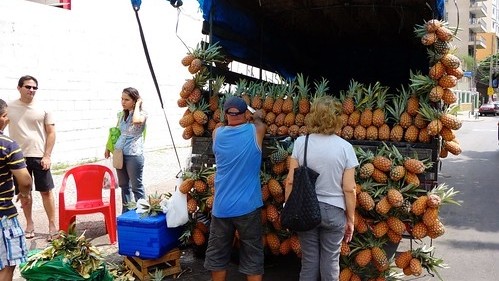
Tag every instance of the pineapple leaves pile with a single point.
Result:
(150, 206)
(75, 250)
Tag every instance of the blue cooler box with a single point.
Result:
(146, 237)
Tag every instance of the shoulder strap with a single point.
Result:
(305, 155)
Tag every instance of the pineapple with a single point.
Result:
(272, 213)
(379, 115)
(395, 197)
(348, 102)
(187, 133)
(187, 119)
(365, 200)
(411, 134)
(397, 172)
(403, 259)
(450, 61)
(415, 266)
(257, 98)
(436, 93)
(380, 229)
(379, 258)
(396, 225)
(354, 118)
(199, 113)
(187, 182)
(268, 102)
(273, 241)
(448, 97)
(303, 94)
(450, 120)
(419, 206)
(419, 230)
(366, 117)
(447, 81)
(396, 109)
(345, 274)
(366, 170)
(216, 86)
(383, 206)
(414, 165)
(433, 116)
(288, 103)
(363, 257)
(279, 101)
(381, 162)
(345, 248)
(198, 237)
(452, 147)
(437, 71)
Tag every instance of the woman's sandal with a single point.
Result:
(29, 234)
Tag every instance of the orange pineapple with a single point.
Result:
(383, 206)
(303, 94)
(396, 225)
(403, 259)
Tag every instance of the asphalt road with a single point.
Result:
(470, 246)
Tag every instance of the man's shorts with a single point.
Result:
(42, 178)
(251, 256)
(13, 247)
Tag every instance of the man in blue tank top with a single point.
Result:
(238, 197)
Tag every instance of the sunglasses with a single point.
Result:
(234, 113)
(30, 87)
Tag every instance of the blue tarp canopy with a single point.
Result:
(367, 40)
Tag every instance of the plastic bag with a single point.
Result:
(176, 210)
(59, 270)
(114, 134)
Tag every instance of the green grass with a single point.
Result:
(61, 167)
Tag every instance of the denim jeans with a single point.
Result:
(130, 179)
(321, 246)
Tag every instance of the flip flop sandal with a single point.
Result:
(29, 234)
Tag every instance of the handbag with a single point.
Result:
(301, 211)
(114, 134)
(118, 159)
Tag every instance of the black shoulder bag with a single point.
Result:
(301, 211)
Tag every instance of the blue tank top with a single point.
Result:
(237, 182)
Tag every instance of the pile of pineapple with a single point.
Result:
(392, 201)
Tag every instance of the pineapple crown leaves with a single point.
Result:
(158, 275)
(399, 104)
(428, 261)
(354, 88)
(420, 84)
(446, 194)
(321, 87)
(302, 85)
(241, 87)
(217, 84)
(363, 155)
(428, 112)
(212, 53)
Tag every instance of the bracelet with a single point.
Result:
(27, 195)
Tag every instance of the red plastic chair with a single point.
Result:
(89, 182)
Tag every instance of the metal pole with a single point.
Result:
(490, 68)
(473, 81)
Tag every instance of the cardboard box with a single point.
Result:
(146, 237)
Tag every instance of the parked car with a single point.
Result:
(489, 108)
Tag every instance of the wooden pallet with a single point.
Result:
(169, 264)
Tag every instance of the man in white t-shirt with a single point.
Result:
(32, 127)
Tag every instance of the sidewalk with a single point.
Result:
(160, 170)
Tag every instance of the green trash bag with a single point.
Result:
(58, 270)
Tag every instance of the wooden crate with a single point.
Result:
(169, 264)
(421, 150)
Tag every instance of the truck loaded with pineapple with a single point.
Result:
(399, 133)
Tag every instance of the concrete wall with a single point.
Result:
(84, 57)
